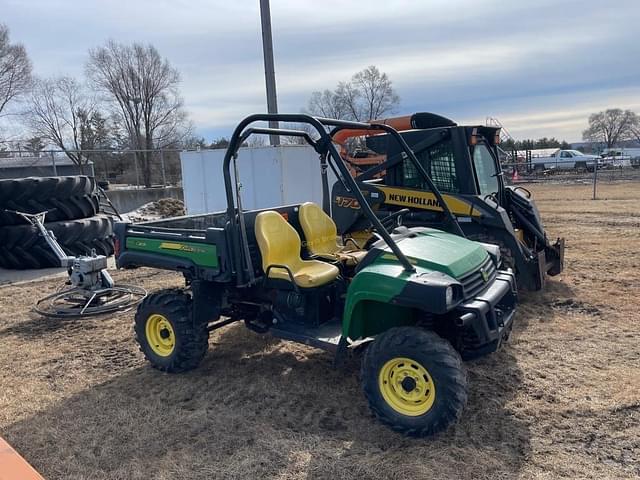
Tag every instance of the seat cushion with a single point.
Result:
(308, 274)
(351, 258)
(315, 273)
(279, 244)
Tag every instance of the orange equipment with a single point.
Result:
(13, 466)
(406, 122)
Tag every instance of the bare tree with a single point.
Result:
(15, 69)
(303, 127)
(377, 96)
(327, 104)
(34, 145)
(367, 96)
(634, 128)
(257, 141)
(60, 110)
(609, 127)
(142, 89)
(193, 142)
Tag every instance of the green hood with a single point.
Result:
(440, 251)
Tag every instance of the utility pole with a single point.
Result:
(269, 69)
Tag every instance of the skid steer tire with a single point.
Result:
(22, 246)
(414, 381)
(166, 333)
(63, 198)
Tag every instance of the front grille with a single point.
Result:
(473, 283)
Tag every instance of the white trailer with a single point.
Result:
(621, 157)
(270, 176)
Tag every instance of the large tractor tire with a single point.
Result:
(22, 246)
(166, 333)
(63, 198)
(414, 381)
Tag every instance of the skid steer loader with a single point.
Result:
(463, 164)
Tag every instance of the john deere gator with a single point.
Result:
(413, 304)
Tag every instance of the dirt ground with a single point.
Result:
(562, 400)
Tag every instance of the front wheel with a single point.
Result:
(166, 333)
(414, 381)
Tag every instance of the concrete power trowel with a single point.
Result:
(89, 290)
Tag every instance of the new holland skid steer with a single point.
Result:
(463, 164)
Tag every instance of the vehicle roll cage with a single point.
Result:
(327, 151)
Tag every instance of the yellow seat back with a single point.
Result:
(279, 244)
(319, 230)
(278, 241)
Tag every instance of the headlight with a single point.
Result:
(449, 296)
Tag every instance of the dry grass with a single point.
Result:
(561, 401)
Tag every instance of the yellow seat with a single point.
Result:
(322, 235)
(279, 244)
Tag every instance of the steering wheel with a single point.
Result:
(393, 220)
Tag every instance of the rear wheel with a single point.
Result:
(581, 166)
(167, 334)
(414, 381)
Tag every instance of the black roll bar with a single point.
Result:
(325, 145)
(414, 160)
(279, 131)
(369, 173)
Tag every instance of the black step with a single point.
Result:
(326, 336)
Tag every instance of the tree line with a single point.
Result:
(531, 144)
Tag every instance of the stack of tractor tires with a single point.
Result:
(73, 215)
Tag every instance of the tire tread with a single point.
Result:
(22, 246)
(442, 354)
(64, 198)
(194, 338)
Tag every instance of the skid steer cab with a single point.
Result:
(463, 163)
(414, 303)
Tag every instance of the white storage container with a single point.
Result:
(270, 176)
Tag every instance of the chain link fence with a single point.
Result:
(161, 168)
(572, 172)
(115, 168)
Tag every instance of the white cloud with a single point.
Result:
(566, 116)
(539, 66)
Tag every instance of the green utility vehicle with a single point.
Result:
(416, 302)
(463, 163)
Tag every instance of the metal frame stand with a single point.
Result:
(92, 290)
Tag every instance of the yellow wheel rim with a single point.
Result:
(406, 386)
(160, 335)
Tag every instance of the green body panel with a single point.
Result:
(202, 254)
(368, 308)
(443, 252)
(373, 286)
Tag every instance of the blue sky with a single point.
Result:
(539, 66)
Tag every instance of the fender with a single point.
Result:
(383, 295)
